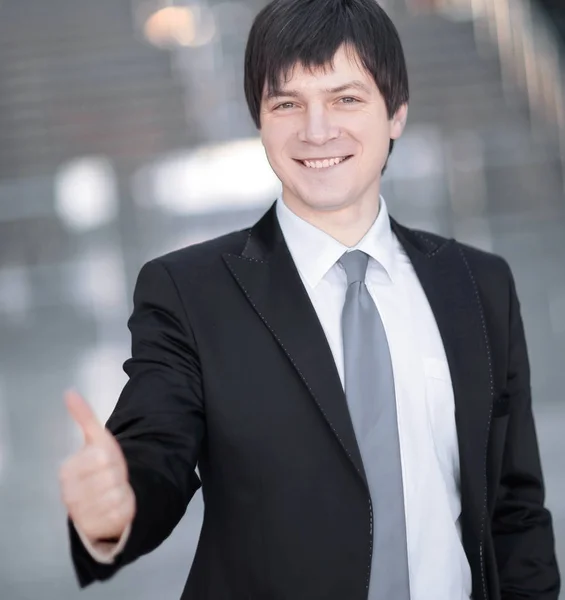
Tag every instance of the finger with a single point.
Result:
(92, 460)
(85, 418)
(99, 502)
(108, 515)
(90, 487)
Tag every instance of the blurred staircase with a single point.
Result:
(458, 89)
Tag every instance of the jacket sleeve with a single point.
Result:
(158, 421)
(522, 526)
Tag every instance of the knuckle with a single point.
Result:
(101, 458)
(118, 505)
(116, 516)
(73, 496)
(67, 490)
(112, 479)
(77, 515)
(114, 498)
(88, 526)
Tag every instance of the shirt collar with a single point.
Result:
(315, 252)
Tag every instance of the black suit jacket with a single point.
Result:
(231, 371)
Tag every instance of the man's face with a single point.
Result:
(327, 134)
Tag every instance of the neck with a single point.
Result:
(347, 225)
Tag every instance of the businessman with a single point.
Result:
(355, 394)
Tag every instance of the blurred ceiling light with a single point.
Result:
(174, 26)
(85, 193)
(233, 175)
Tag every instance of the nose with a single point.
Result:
(318, 127)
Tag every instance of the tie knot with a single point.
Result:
(355, 264)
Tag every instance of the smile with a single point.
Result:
(324, 163)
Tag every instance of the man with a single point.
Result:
(355, 394)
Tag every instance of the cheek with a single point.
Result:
(280, 138)
(275, 134)
(371, 130)
(375, 142)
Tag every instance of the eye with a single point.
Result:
(348, 100)
(284, 106)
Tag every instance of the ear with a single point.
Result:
(398, 122)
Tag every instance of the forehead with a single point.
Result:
(345, 66)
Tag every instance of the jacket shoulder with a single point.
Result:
(486, 266)
(480, 262)
(205, 256)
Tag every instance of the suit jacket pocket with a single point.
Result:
(501, 407)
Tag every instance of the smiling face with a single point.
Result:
(327, 135)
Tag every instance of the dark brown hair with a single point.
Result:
(310, 32)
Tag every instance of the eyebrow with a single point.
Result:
(280, 93)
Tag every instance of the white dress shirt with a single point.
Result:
(438, 566)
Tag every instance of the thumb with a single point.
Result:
(85, 418)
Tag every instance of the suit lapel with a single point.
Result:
(455, 301)
(268, 277)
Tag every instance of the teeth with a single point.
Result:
(323, 164)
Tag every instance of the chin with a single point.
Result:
(328, 202)
(317, 199)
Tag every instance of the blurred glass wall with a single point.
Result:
(124, 134)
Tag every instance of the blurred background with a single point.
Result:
(124, 134)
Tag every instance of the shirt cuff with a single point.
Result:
(104, 552)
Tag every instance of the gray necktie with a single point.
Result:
(369, 388)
